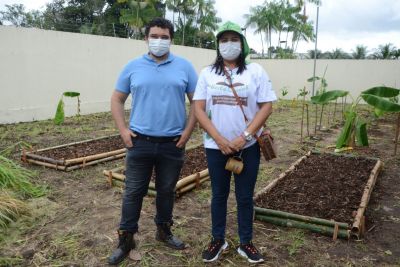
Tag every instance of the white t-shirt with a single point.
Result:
(252, 85)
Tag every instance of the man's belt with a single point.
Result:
(157, 139)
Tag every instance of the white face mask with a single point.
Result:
(230, 50)
(159, 47)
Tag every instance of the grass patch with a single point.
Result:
(8, 262)
(17, 178)
(10, 209)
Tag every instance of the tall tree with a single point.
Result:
(385, 51)
(15, 14)
(360, 52)
(138, 14)
(206, 20)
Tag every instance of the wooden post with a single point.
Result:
(396, 137)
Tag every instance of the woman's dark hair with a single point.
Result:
(218, 65)
(162, 23)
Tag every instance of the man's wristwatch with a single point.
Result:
(247, 136)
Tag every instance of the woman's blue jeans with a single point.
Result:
(167, 161)
(244, 189)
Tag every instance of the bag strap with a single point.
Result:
(239, 102)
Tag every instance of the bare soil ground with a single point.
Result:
(75, 224)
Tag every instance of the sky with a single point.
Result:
(342, 23)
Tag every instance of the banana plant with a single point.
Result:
(324, 98)
(355, 127)
(60, 114)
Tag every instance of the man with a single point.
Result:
(156, 134)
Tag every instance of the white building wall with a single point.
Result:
(37, 66)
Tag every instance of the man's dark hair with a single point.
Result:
(218, 65)
(162, 23)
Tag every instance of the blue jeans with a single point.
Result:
(244, 189)
(167, 161)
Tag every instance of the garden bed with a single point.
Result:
(194, 172)
(323, 192)
(77, 155)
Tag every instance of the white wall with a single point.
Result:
(350, 75)
(37, 66)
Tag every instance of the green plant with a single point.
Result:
(297, 242)
(17, 178)
(324, 98)
(284, 91)
(355, 126)
(60, 114)
(10, 208)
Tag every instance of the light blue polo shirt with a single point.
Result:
(158, 93)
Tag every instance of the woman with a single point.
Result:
(227, 134)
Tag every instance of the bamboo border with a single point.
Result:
(72, 164)
(336, 229)
(74, 143)
(183, 185)
(357, 229)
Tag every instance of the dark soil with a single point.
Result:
(84, 149)
(323, 186)
(195, 161)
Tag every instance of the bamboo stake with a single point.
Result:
(308, 121)
(115, 175)
(94, 157)
(93, 162)
(193, 146)
(396, 137)
(297, 217)
(152, 185)
(190, 186)
(45, 159)
(189, 179)
(46, 164)
(324, 230)
(76, 143)
(355, 230)
(151, 193)
(334, 112)
(274, 182)
(302, 120)
(320, 118)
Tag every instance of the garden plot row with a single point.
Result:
(322, 192)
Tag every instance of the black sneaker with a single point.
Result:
(214, 249)
(250, 252)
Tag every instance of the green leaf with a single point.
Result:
(313, 79)
(378, 112)
(382, 91)
(59, 117)
(345, 134)
(71, 94)
(361, 133)
(381, 103)
(328, 96)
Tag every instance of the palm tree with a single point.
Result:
(137, 14)
(206, 19)
(360, 52)
(337, 53)
(255, 20)
(386, 51)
